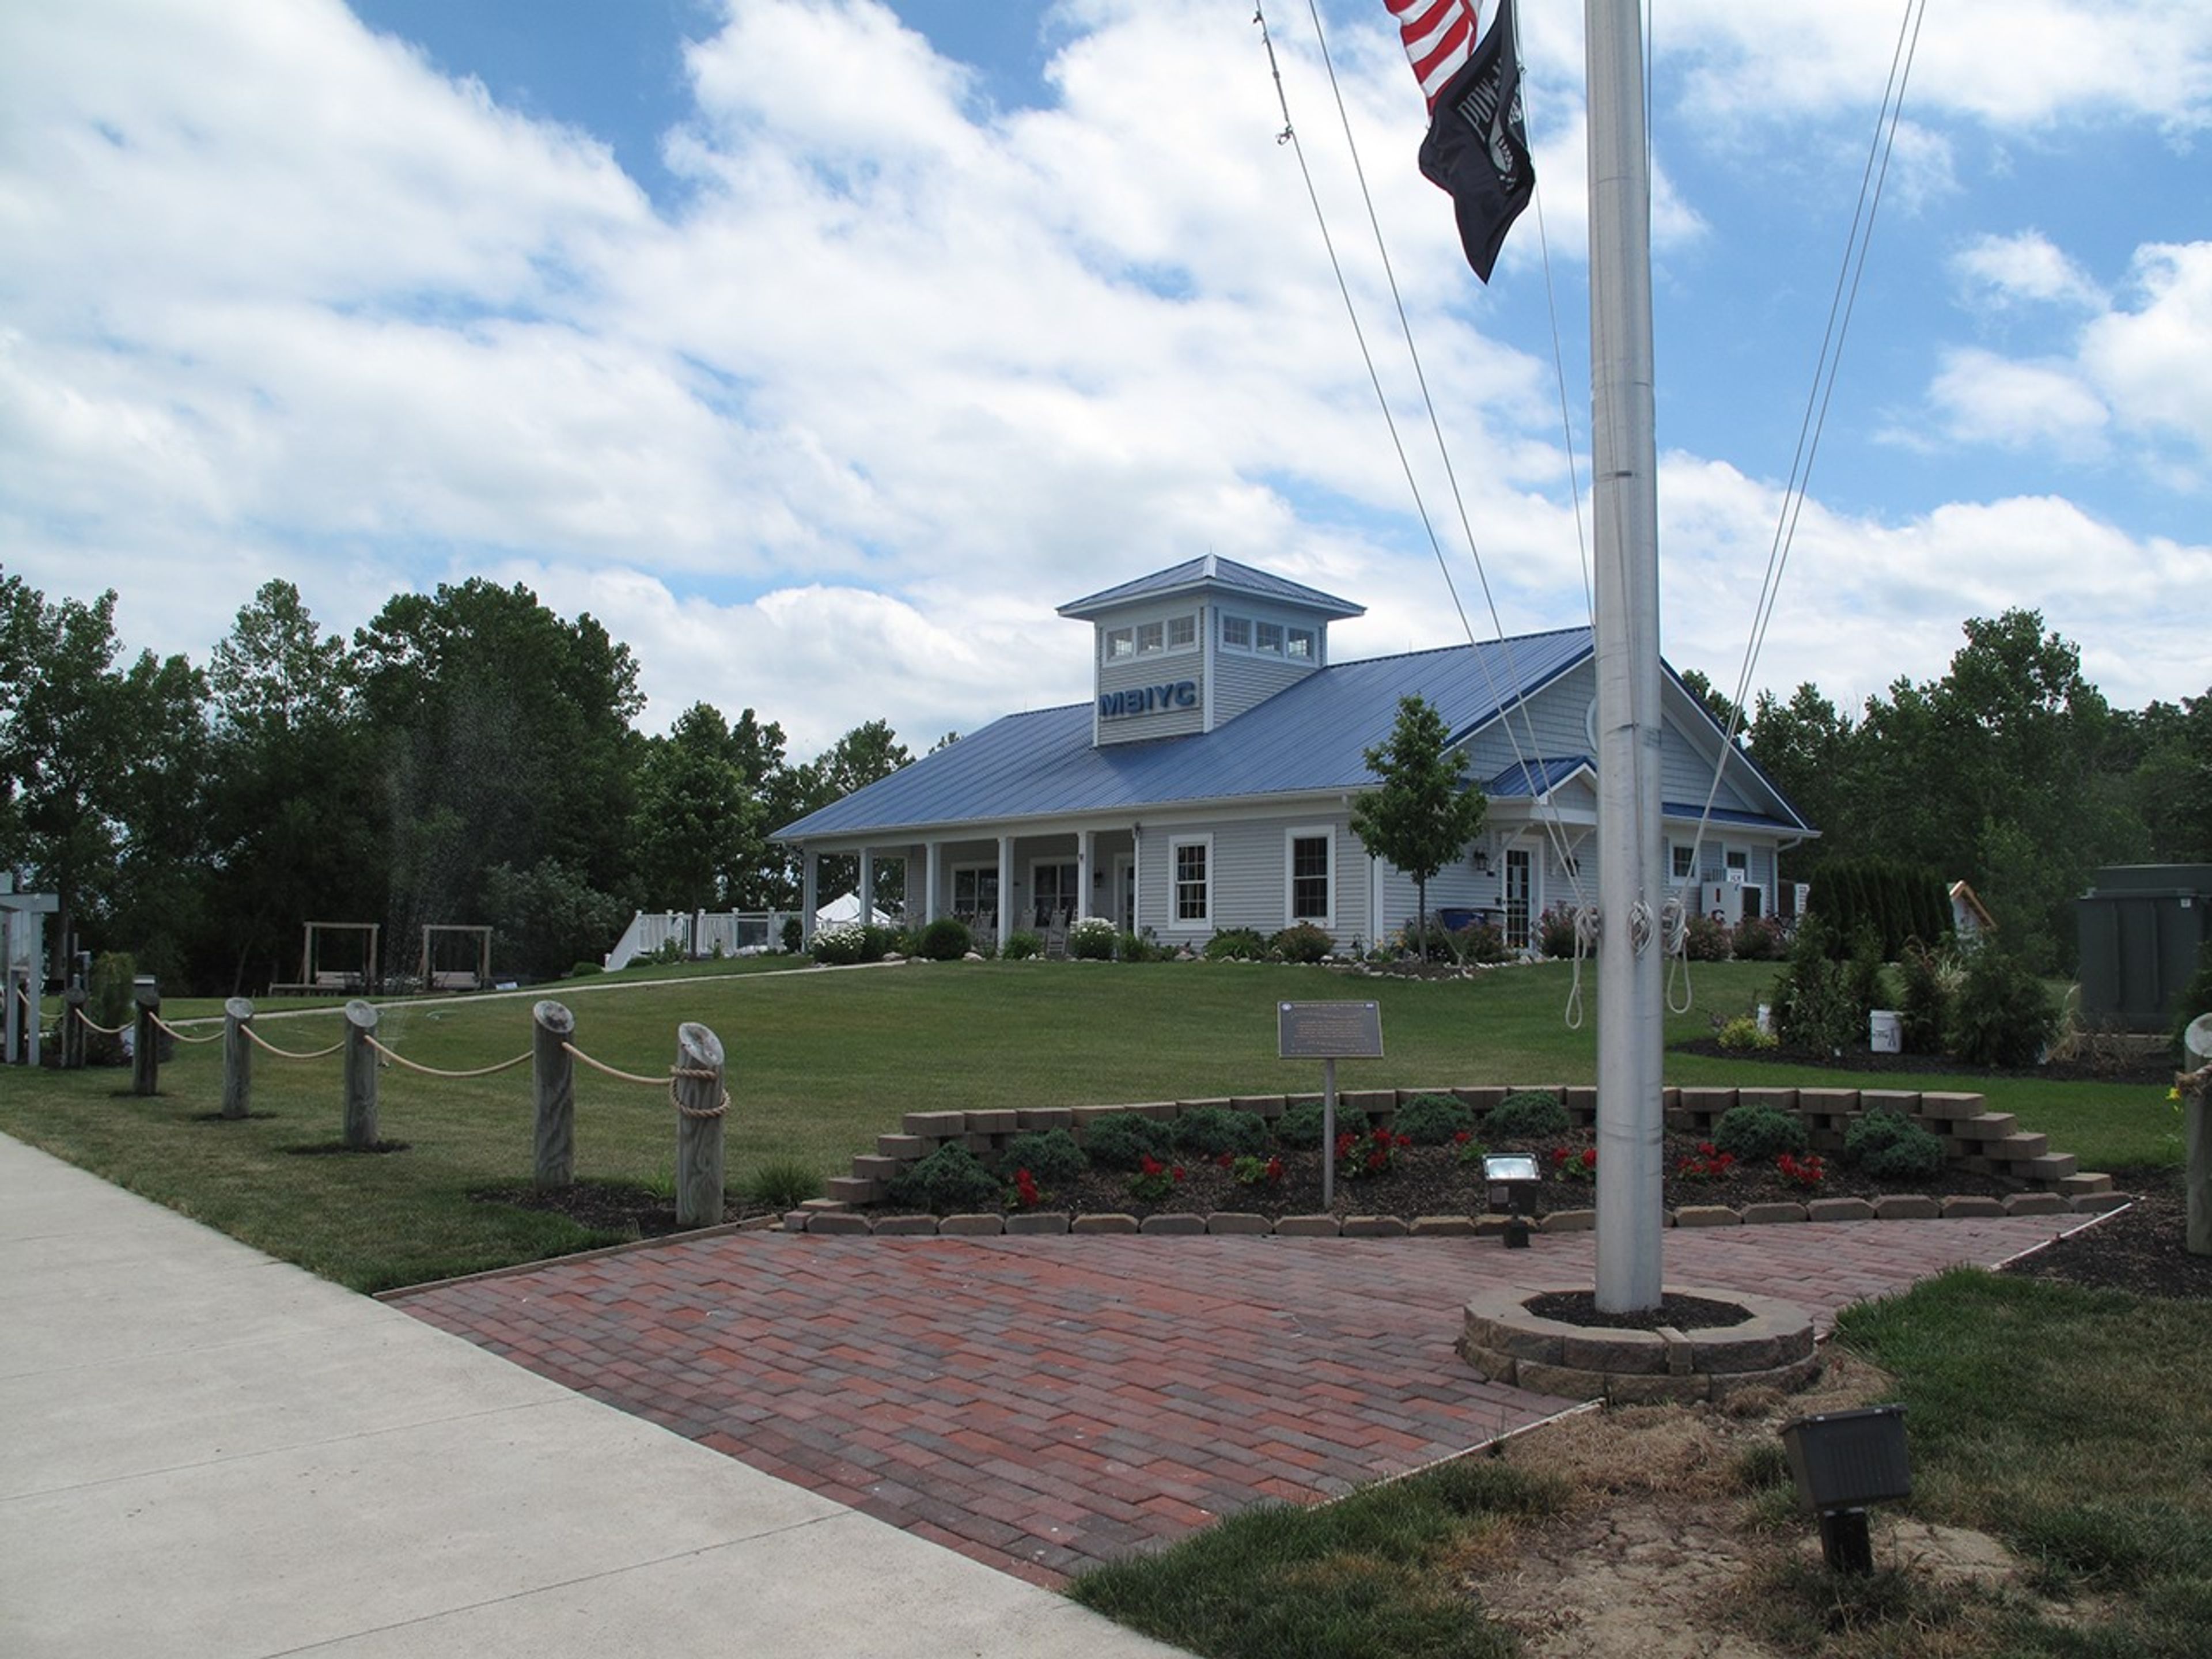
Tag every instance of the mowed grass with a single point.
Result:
(820, 1063)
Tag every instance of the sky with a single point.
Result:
(820, 348)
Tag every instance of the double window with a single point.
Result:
(1270, 639)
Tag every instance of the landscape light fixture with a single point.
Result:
(1843, 1462)
(1507, 1174)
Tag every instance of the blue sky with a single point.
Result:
(821, 348)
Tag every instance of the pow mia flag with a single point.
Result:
(1477, 149)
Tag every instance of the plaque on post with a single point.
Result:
(1329, 1032)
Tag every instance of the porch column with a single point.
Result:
(1005, 888)
(1085, 857)
(929, 900)
(809, 873)
(867, 893)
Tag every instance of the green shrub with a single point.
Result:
(1300, 942)
(1863, 978)
(948, 1182)
(794, 933)
(1479, 942)
(1301, 1125)
(1432, 1120)
(1210, 1131)
(1890, 1147)
(1924, 1006)
(1050, 1155)
(1742, 1036)
(2004, 1017)
(1091, 939)
(1236, 945)
(1555, 931)
(878, 941)
(1813, 1010)
(1707, 940)
(1759, 1134)
(842, 946)
(1123, 1140)
(946, 939)
(1135, 947)
(1021, 944)
(782, 1184)
(2196, 998)
(1527, 1115)
(1757, 939)
(585, 970)
(108, 1002)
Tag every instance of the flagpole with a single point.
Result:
(1631, 888)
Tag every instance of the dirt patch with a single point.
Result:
(1674, 1521)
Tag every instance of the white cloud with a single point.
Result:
(1982, 397)
(2027, 267)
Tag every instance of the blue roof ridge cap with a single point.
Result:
(1212, 570)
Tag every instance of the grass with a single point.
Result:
(819, 1065)
(1376, 1576)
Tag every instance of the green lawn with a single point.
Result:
(819, 1064)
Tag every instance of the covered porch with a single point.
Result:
(1040, 878)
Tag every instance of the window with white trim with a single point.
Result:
(1152, 638)
(1182, 633)
(1310, 872)
(1683, 859)
(1120, 642)
(1192, 902)
(1299, 644)
(1236, 633)
(1267, 639)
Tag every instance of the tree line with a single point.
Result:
(470, 756)
(2011, 772)
(467, 757)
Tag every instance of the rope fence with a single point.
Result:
(695, 1083)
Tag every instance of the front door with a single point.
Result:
(1125, 891)
(1517, 894)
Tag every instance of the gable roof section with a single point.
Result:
(1311, 738)
(1212, 571)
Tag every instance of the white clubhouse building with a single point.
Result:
(1209, 781)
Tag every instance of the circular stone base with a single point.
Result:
(1773, 1349)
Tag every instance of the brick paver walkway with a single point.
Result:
(1043, 1404)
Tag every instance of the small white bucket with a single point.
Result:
(1885, 1031)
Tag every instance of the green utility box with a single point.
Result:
(2142, 928)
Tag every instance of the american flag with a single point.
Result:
(1439, 36)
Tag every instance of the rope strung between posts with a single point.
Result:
(675, 1073)
(267, 1047)
(105, 1030)
(398, 1059)
(212, 1036)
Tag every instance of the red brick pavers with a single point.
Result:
(1043, 1404)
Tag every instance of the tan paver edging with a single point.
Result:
(1176, 1224)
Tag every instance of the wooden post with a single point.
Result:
(145, 1041)
(360, 1077)
(553, 1070)
(73, 1031)
(237, 1057)
(701, 1104)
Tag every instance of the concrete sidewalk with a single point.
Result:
(203, 1451)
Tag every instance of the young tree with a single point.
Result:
(1423, 815)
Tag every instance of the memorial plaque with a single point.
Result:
(1329, 1030)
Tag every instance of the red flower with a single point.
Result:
(1226, 1159)
(1463, 1137)
(1150, 1164)
(1558, 1155)
(1178, 1172)
(1590, 1158)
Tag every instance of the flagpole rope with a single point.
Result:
(1547, 815)
(1842, 304)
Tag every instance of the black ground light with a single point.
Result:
(1845, 1460)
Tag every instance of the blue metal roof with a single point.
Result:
(1536, 777)
(1311, 738)
(1212, 571)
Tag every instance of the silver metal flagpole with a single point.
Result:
(1632, 887)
